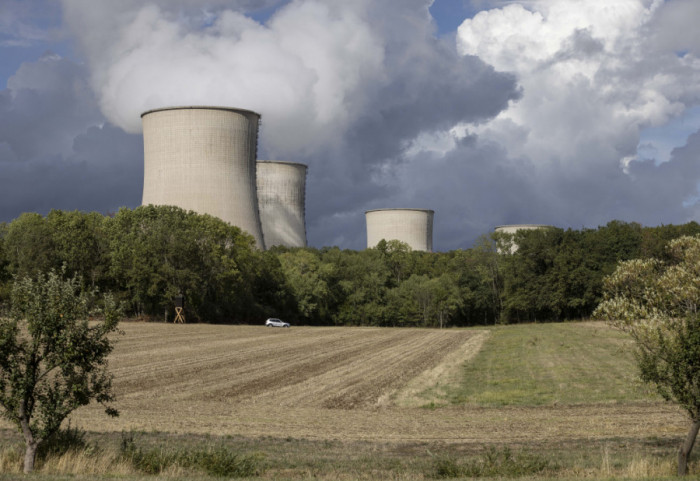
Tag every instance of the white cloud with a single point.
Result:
(592, 74)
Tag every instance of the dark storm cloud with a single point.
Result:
(46, 104)
(486, 188)
(56, 152)
(430, 88)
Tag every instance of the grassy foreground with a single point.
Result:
(172, 456)
(515, 393)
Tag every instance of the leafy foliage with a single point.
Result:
(51, 360)
(150, 254)
(657, 302)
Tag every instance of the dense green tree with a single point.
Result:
(396, 256)
(158, 252)
(482, 278)
(80, 243)
(655, 239)
(422, 301)
(411, 303)
(527, 293)
(657, 303)
(30, 247)
(51, 360)
(447, 298)
(307, 277)
(271, 294)
(575, 281)
(363, 279)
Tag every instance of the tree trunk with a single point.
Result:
(686, 448)
(30, 457)
(30, 441)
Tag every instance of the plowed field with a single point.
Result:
(333, 383)
(309, 367)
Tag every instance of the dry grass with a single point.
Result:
(83, 462)
(298, 459)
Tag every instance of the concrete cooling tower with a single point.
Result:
(513, 228)
(203, 159)
(281, 199)
(412, 226)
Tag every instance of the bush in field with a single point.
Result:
(62, 441)
(658, 303)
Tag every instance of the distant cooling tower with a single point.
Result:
(513, 228)
(281, 198)
(412, 226)
(203, 159)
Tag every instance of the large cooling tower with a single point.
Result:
(412, 226)
(281, 199)
(513, 228)
(203, 159)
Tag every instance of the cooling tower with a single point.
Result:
(513, 228)
(203, 159)
(281, 199)
(412, 226)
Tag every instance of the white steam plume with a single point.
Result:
(300, 70)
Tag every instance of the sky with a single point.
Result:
(569, 113)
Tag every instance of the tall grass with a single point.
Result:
(502, 463)
(213, 460)
(180, 457)
(86, 462)
(130, 459)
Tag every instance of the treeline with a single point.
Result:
(148, 255)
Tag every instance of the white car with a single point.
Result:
(272, 322)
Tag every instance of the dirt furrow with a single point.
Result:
(293, 369)
(149, 369)
(393, 370)
(370, 375)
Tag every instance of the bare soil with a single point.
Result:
(345, 384)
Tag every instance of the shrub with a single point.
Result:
(212, 460)
(62, 441)
(494, 463)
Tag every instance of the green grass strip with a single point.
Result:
(544, 364)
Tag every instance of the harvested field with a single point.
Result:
(347, 384)
(309, 367)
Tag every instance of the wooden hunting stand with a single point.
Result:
(179, 309)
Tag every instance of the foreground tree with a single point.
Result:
(657, 304)
(51, 360)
